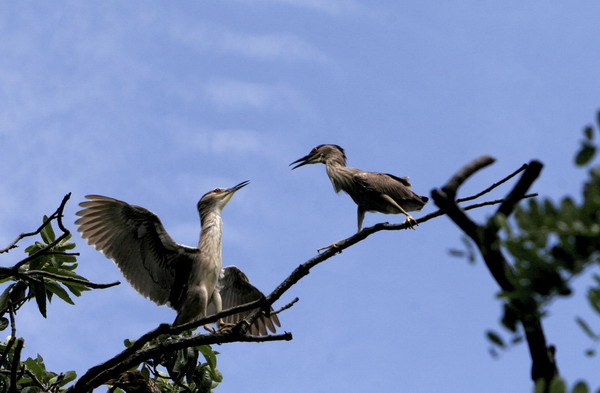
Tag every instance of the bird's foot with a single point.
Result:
(210, 329)
(332, 245)
(225, 326)
(410, 222)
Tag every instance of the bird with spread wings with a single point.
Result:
(188, 279)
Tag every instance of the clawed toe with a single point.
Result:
(410, 222)
(332, 245)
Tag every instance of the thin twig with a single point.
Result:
(47, 248)
(287, 306)
(490, 188)
(13, 244)
(35, 379)
(59, 277)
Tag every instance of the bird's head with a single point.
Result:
(320, 154)
(218, 198)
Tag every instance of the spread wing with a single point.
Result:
(235, 289)
(135, 239)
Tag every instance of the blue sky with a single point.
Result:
(157, 103)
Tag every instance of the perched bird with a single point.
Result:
(188, 279)
(371, 191)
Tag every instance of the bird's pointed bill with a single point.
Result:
(237, 187)
(302, 161)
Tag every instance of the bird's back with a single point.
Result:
(371, 190)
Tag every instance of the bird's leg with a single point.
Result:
(360, 216)
(410, 221)
(216, 299)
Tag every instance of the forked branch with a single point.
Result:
(486, 238)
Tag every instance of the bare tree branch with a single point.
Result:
(287, 306)
(98, 375)
(15, 366)
(451, 187)
(56, 215)
(486, 239)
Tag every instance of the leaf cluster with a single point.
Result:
(46, 272)
(553, 242)
(181, 371)
(558, 385)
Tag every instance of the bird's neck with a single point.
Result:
(210, 236)
(339, 174)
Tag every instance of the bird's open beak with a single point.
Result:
(303, 161)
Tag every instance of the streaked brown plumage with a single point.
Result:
(188, 279)
(371, 191)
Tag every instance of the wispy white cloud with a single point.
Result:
(226, 141)
(331, 7)
(274, 46)
(235, 94)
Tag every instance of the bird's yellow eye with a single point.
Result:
(217, 190)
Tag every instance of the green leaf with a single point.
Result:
(585, 155)
(594, 299)
(59, 291)
(18, 292)
(540, 386)
(557, 385)
(580, 387)
(145, 372)
(64, 272)
(495, 338)
(47, 232)
(216, 375)
(68, 377)
(37, 246)
(590, 352)
(38, 262)
(3, 323)
(39, 291)
(589, 133)
(586, 328)
(62, 258)
(75, 288)
(4, 297)
(209, 355)
(36, 366)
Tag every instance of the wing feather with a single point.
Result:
(398, 188)
(135, 239)
(235, 290)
